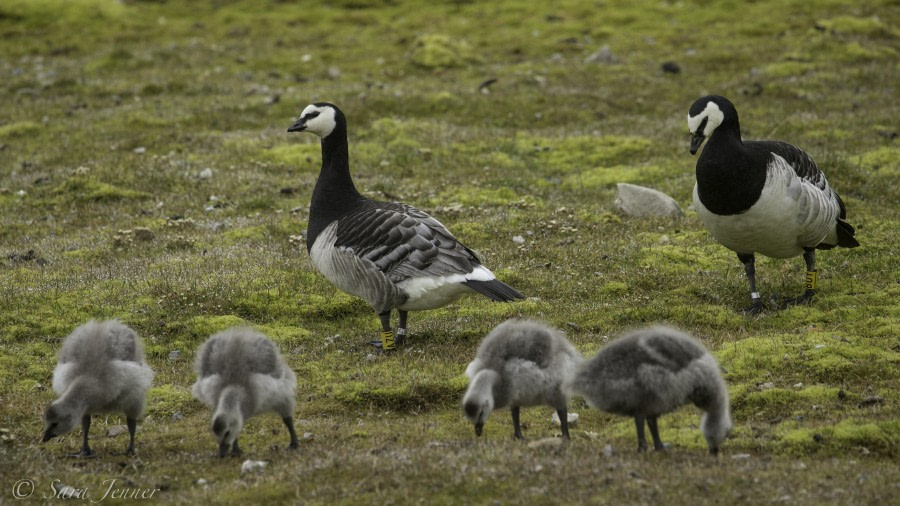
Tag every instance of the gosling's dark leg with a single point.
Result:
(654, 432)
(86, 452)
(812, 277)
(564, 422)
(401, 327)
(517, 429)
(235, 450)
(756, 305)
(639, 425)
(132, 428)
(386, 341)
(289, 423)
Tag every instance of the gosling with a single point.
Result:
(653, 371)
(520, 363)
(100, 369)
(240, 374)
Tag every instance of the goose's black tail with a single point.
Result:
(495, 290)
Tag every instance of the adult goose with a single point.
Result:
(765, 197)
(390, 254)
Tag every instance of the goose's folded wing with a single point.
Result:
(402, 242)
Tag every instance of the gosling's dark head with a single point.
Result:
(58, 421)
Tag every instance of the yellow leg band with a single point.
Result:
(387, 340)
(812, 278)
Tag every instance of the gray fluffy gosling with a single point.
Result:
(653, 371)
(240, 374)
(100, 369)
(520, 363)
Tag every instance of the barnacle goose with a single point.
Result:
(240, 374)
(390, 254)
(650, 372)
(765, 197)
(520, 363)
(101, 369)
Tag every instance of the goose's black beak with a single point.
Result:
(696, 141)
(223, 449)
(478, 428)
(47, 436)
(299, 126)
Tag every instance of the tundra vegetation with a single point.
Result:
(146, 174)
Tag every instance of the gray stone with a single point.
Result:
(642, 202)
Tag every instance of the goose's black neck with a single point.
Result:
(335, 195)
(730, 178)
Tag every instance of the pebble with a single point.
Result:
(174, 354)
(572, 417)
(740, 456)
(608, 451)
(206, 173)
(253, 466)
(518, 239)
(115, 430)
(140, 151)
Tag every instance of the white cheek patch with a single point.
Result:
(715, 117)
(323, 124)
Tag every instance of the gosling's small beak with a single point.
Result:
(47, 436)
(714, 452)
(478, 428)
(223, 449)
(696, 141)
(299, 126)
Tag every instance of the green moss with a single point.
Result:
(245, 234)
(884, 161)
(435, 51)
(165, 400)
(44, 12)
(583, 153)
(474, 196)
(19, 129)
(592, 179)
(851, 25)
(89, 190)
(305, 157)
(847, 435)
(614, 288)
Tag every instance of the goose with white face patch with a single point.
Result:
(392, 255)
(240, 374)
(765, 197)
(653, 371)
(520, 363)
(101, 369)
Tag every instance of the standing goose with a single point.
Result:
(520, 363)
(390, 254)
(653, 371)
(765, 197)
(101, 369)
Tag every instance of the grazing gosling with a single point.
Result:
(653, 371)
(240, 374)
(101, 369)
(520, 363)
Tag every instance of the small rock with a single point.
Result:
(800, 466)
(115, 430)
(603, 55)
(639, 201)
(287, 191)
(608, 451)
(818, 438)
(767, 385)
(819, 346)
(253, 466)
(21, 193)
(740, 456)
(572, 417)
(140, 151)
(518, 239)
(206, 173)
(202, 482)
(308, 436)
(177, 416)
(306, 58)
(334, 72)
(547, 442)
(798, 385)
(174, 354)
(842, 394)
(671, 67)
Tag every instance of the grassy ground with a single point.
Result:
(112, 111)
